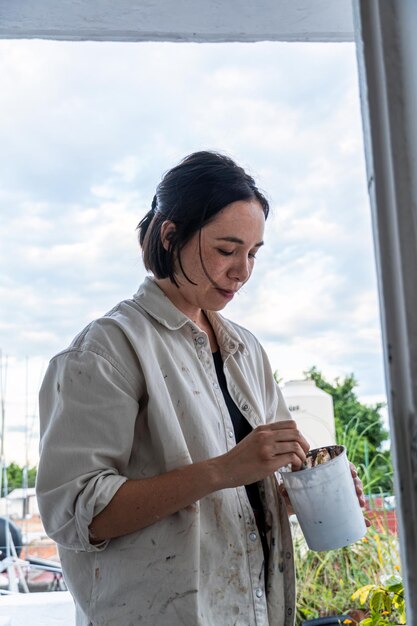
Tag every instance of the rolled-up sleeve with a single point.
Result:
(88, 410)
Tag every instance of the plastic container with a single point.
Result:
(325, 502)
(312, 409)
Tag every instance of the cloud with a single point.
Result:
(87, 130)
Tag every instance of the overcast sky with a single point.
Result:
(87, 130)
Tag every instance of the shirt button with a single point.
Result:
(201, 341)
(215, 385)
(253, 536)
(259, 593)
(231, 346)
(230, 433)
(245, 407)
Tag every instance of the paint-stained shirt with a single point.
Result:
(136, 395)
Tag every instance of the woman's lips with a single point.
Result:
(226, 293)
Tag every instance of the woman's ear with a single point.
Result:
(167, 230)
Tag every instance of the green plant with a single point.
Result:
(354, 438)
(360, 428)
(15, 477)
(385, 602)
(327, 580)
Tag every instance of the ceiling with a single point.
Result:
(178, 20)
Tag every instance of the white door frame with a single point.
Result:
(384, 31)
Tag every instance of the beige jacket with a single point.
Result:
(136, 395)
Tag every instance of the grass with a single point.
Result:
(327, 580)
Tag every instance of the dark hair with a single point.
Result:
(190, 195)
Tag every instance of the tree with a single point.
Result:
(361, 429)
(15, 477)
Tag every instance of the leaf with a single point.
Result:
(362, 593)
(392, 581)
(388, 603)
(402, 615)
(377, 601)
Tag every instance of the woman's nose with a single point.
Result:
(241, 269)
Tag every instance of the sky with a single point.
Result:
(87, 131)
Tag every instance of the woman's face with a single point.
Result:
(220, 258)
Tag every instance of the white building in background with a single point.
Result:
(19, 504)
(312, 409)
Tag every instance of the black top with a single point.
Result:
(242, 428)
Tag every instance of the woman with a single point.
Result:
(162, 427)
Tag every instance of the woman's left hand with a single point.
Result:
(284, 494)
(359, 489)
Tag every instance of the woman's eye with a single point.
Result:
(224, 252)
(252, 255)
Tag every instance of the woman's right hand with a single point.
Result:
(142, 502)
(263, 452)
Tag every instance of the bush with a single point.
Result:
(326, 581)
(385, 602)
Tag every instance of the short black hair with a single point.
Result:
(190, 195)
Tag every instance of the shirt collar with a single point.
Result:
(153, 300)
(228, 338)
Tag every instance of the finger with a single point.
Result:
(305, 444)
(272, 445)
(358, 483)
(284, 493)
(294, 458)
(358, 486)
(282, 452)
(280, 425)
(361, 498)
(359, 491)
(286, 431)
(282, 490)
(282, 445)
(353, 470)
(288, 436)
